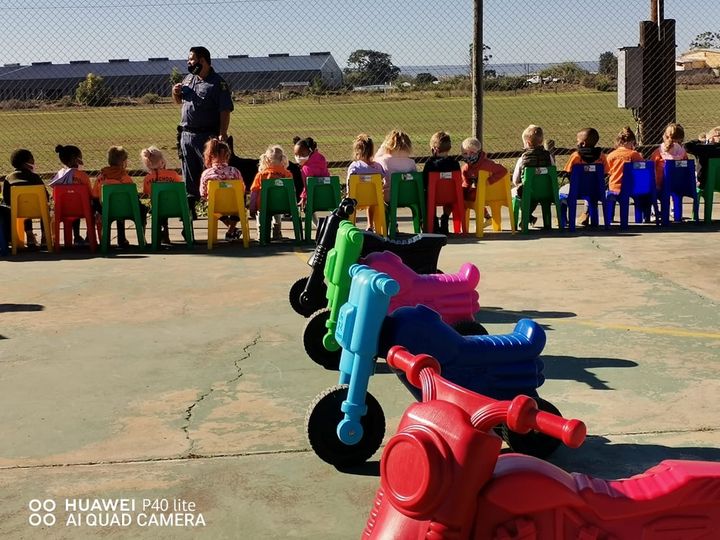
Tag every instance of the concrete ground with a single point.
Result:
(179, 377)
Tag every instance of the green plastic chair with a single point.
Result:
(406, 191)
(169, 199)
(711, 186)
(120, 201)
(277, 196)
(540, 186)
(323, 193)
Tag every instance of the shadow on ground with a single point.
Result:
(571, 368)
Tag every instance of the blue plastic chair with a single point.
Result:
(638, 183)
(678, 182)
(587, 182)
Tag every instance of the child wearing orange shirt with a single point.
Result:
(670, 149)
(273, 164)
(154, 161)
(71, 173)
(624, 152)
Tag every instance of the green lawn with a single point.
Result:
(334, 121)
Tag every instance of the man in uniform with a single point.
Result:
(206, 107)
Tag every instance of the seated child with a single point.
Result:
(624, 152)
(394, 156)
(216, 157)
(364, 163)
(440, 161)
(311, 162)
(114, 173)
(670, 149)
(273, 164)
(71, 173)
(703, 152)
(475, 160)
(23, 163)
(154, 162)
(534, 155)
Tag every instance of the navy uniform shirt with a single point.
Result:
(202, 102)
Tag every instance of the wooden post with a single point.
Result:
(477, 72)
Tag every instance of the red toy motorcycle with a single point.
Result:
(442, 477)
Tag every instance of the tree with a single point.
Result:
(370, 67)
(92, 92)
(567, 71)
(425, 78)
(706, 40)
(608, 64)
(176, 76)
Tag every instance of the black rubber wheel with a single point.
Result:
(310, 306)
(469, 328)
(313, 334)
(322, 419)
(533, 443)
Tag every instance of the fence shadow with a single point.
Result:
(571, 368)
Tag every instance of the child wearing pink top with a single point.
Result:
(670, 149)
(363, 150)
(394, 156)
(311, 162)
(216, 156)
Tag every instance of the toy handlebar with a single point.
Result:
(521, 414)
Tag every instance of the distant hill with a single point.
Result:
(513, 70)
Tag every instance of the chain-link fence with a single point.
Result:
(333, 68)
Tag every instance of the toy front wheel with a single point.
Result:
(469, 327)
(322, 419)
(306, 306)
(313, 334)
(533, 443)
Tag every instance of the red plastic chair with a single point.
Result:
(445, 189)
(72, 201)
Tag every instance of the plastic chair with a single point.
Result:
(406, 191)
(226, 198)
(169, 199)
(72, 201)
(587, 182)
(367, 190)
(711, 186)
(277, 196)
(28, 202)
(119, 202)
(678, 181)
(539, 186)
(323, 193)
(495, 196)
(638, 183)
(445, 188)
(3, 240)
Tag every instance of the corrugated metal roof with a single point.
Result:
(162, 67)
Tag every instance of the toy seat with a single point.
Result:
(406, 191)
(445, 188)
(539, 186)
(28, 202)
(277, 196)
(678, 181)
(638, 182)
(169, 199)
(120, 201)
(367, 190)
(587, 182)
(226, 198)
(323, 193)
(711, 185)
(72, 201)
(495, 196)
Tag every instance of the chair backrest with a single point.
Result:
(679, 176)
(277, 195)
(408, 188)
(638, 178)
(71, 200)
(541, 180)
(119, 200)
(27, 201)
(325, 192)
(713, 172)
(587, 180)
(364, 188)
(168, 199)
(226, 194)
(446, 186)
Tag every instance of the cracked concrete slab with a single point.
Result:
(181, 375)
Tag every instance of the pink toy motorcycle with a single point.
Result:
(442, 477)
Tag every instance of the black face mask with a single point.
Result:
(195, 69)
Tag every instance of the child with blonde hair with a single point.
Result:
(273, 164)
(474, 161)
(670, 149)
(394, 156)
(534, 155)
(154, 162)
(624, 152)
(364, 163)
(71, 157)
(703, 152)
(216, 156)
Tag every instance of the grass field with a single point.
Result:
(334, 121)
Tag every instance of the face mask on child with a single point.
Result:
(30, 166)
(300, 159)
(472, 158)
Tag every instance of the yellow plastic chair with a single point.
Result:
(29, 202)
(367, 190)
(226, 198)
(495, 196)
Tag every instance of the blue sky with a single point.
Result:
(413, 32)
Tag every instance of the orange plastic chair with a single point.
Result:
(495, 196)
(226, 198)
(72, 201)
(445, 188)
(28, 202)
(367, 190)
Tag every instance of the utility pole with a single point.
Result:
(477, 72)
